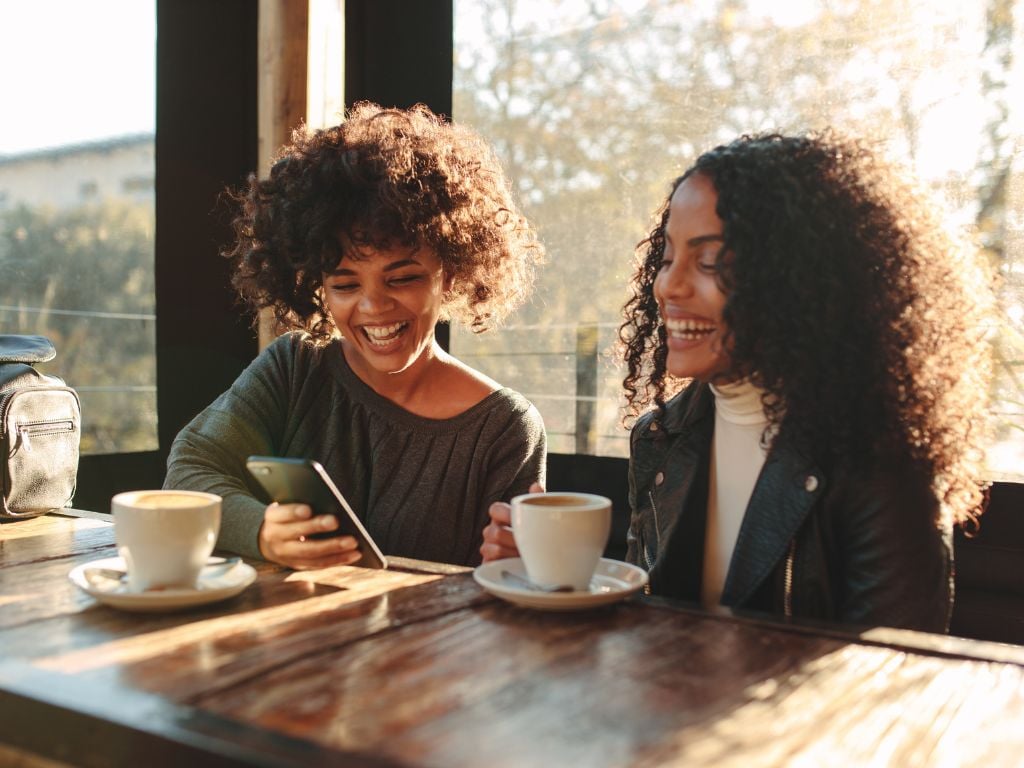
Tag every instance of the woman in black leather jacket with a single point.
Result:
(826, 335)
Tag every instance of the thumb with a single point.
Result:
(536, 488)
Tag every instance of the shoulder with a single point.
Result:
(521, 412)
(894, 494)
(296, 351)
(473, 384)
(506, 416)
(691, 404)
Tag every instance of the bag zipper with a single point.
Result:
(38, 428)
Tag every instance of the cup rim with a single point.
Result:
(589, 500)
(128, 499)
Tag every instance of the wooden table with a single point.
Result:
(418, 666)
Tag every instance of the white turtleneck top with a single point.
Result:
(736, 460)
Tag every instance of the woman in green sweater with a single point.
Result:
(363, 237)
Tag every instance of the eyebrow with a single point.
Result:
(693, 242)
(389, 268)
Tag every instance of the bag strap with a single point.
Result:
(15, 348)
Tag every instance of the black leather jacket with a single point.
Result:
(861, 550)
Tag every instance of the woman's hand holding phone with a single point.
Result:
(286, 538)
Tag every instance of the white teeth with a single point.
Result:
(381, 335)
(689, 329)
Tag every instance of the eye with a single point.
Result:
(405, 279)
(342, 287)
(707, 262)
(666, 261)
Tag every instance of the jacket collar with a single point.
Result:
(783, 495)
(682, 412)
(785, 491)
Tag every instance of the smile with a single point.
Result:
(382, 335)
(689, 330)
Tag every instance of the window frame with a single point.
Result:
(206, 139)
(397, 54)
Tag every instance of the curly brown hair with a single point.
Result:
(383, 178)
(860, 316)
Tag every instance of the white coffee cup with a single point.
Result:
(561, 535)
(165, 536)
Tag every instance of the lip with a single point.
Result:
(673, 313)
(391, 346)
(678, 344)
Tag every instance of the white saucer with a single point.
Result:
(211, 588)
(613, 581)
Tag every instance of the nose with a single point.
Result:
(375, 300)
(674, 282)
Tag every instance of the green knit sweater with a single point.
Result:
(421, 486)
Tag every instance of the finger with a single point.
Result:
(307, 528)
(319, 553)
(499, 535)
(490, 551)
(501, 513)
(328, 561)
(286, 513)
(536, 488)
(314, 548)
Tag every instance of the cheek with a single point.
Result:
(337, 307)
(658, 288)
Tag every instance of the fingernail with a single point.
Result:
(327, 523)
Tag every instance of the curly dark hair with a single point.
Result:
(860, 316)
(383, 178)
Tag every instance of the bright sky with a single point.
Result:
(75, 70)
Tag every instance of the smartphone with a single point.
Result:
(291, 481)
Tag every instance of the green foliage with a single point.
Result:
(84, 279)
(595, 108)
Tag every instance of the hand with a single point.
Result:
(499, 542)
(284, 538)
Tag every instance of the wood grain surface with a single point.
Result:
(418, 666)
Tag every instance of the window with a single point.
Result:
(76, 246)
(596, 106)
(137, 185)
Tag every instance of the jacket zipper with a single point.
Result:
(787, 595)
(657, 526)
(657, 541)
(38, 428)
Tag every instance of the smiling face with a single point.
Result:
(386, 304)
(686, 287)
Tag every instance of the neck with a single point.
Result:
(405, 387)
(739, 402)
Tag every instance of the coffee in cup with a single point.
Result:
(165, 536)
(561, 536)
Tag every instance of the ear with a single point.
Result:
(448, 282)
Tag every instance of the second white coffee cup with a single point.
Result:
(561, 536)
(165, 536)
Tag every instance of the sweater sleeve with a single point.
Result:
(518, 458)
(248, 419)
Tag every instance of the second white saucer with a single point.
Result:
(612, 581)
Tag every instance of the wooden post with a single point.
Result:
(281, 92)
(586, 388)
